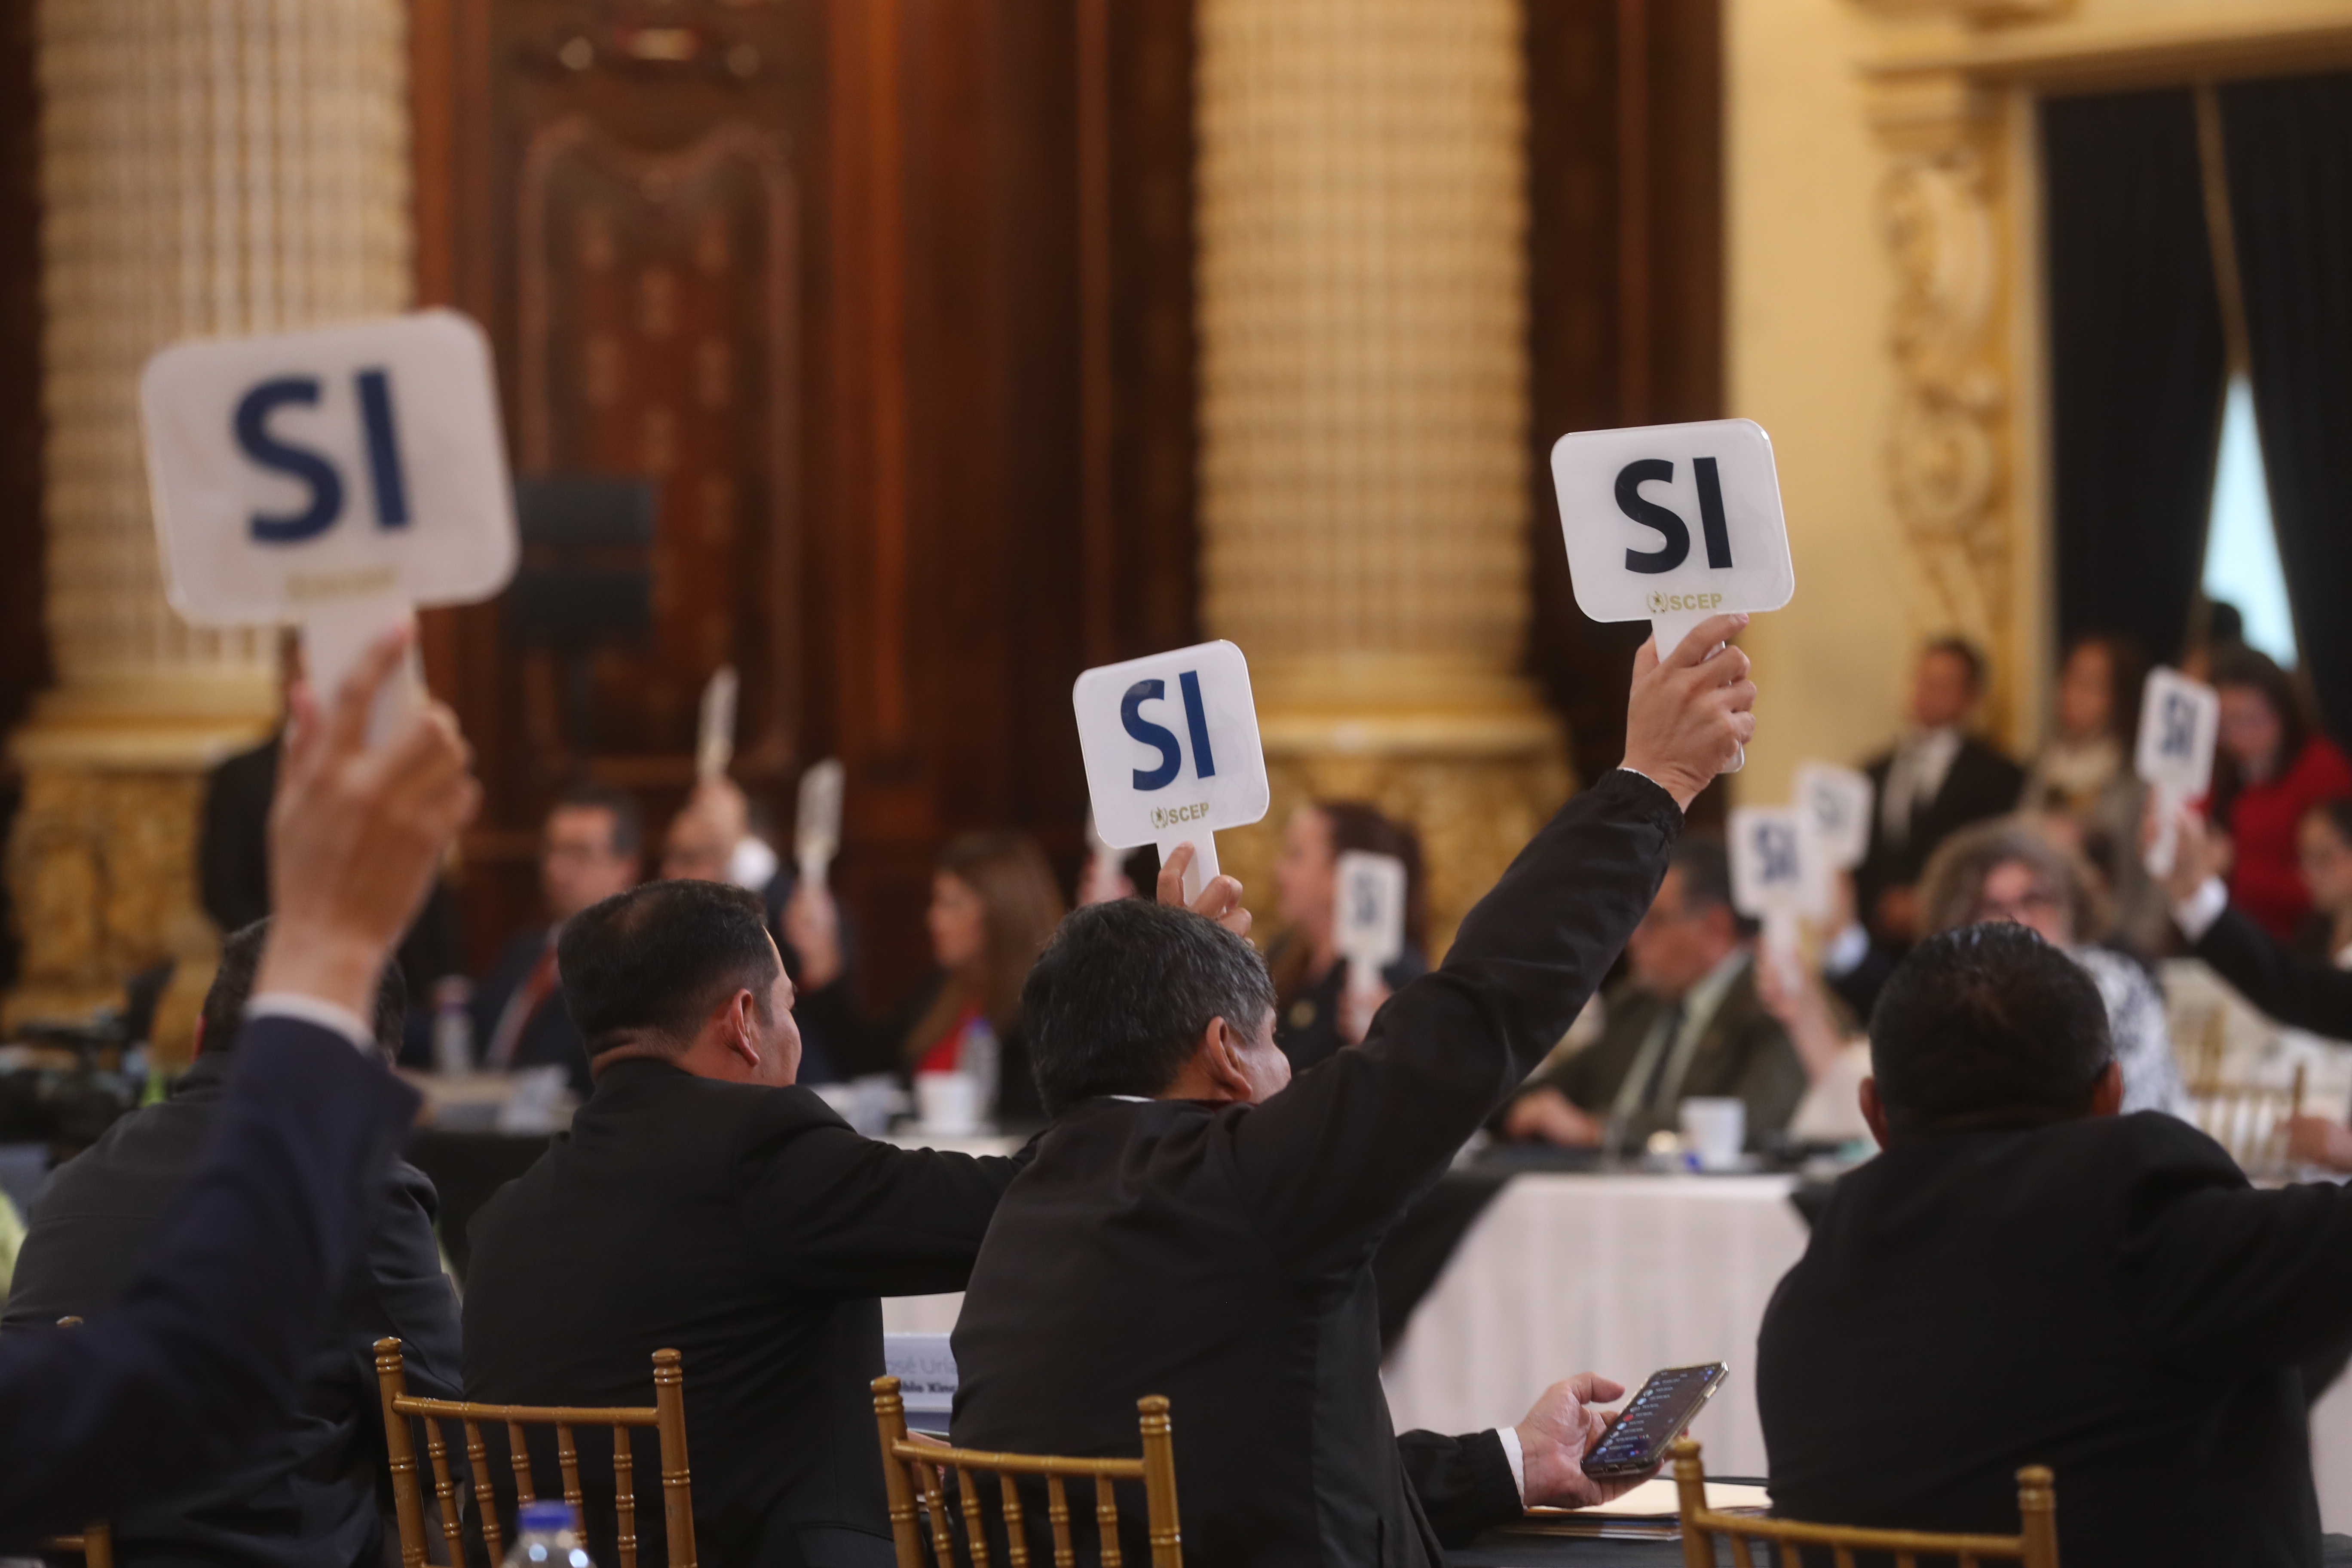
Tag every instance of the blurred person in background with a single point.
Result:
(2272, 765)
(2009, 870)
(2084, 785)
(994, 903)
(1936, 781)
(2324, 859)
(1316, 1010)
(1688, 1022)
(589, 848)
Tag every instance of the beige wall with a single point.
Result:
(1812, 291)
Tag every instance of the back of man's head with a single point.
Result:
(647, 966)
(1122, 994)
(1987, 1025)
(232, 988)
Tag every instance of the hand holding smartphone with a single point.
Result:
(1653, 1419)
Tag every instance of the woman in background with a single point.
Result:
(2006, 870)
(2324, 859)
(2272, 765)
(994, 904)
(1316, 1012)
(2083, 785)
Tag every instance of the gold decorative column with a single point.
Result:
(1362, 286)
(207, 166)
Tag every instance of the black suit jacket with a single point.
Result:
(2108, 1297)
(1980, 783)
(750, 1230)
(550, 1038)
(203, 1354)
(307, 1495)
(1221, 1255)
(1743, 1053)
(2304, 993)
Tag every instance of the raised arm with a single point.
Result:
(1329, 1162)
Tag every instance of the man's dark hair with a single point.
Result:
(232, 988)
(1705, 864)
(657, 959)
(1967, 652)
(628, 821)
(1119, 997)
(1987, 1025)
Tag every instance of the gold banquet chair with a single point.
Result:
(909, 1467)
(96, 1541)
(666, 1414)
(2035, 1545)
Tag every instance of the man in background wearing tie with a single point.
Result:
(587, 852)
(1936, 780)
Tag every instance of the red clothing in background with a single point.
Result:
(2263, 880)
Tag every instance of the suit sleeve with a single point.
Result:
(1773, 1082)
(1464, 1484)
(409, 1296)
(2225, 1275)
(833, 1212)
(2301, 992)
(206, 1350)
(1327, 1164)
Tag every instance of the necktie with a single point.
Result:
(1657, 1080)
(520, 1010)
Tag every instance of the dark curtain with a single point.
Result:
(2138, 363)
(2289, 153)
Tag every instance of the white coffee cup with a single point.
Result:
(1714, 1129)
(947, 1104)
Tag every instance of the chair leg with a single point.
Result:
(1690, 1489)
(678, 1497)
(399, 1445)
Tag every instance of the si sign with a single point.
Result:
(1172, 749)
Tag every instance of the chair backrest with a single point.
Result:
(96, 1541)
(2248, 1119)
(2035, 1544)
(666, 1414)
(910, 1469)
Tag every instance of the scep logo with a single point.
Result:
(295, 472)
(1170, 745)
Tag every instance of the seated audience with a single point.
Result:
(1685, 1023)
(701, 1201)
(2025, 1278)
(2007, 871)
(2083, 785)
(2272, 765)
(1191, 1227)
(2324, 860)
(1315, 1009)
(588, 851)
(201, 1359)
(309, 1493)
(994, 903)
(1936, 780)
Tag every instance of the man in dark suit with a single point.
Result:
(1686, 1023)
(2024, 1278)
(589, 849)
(1936, 780)
(310, 1496)
(202, 1357)
(703, 1202)
(1193, 1228)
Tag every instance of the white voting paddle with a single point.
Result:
(1673, 523)
(2179, 718)
(1837, 802)
(335, 478)
(1171, 752)
(1775, 878)
(1370, 892)
(714, 741)
(816, 835)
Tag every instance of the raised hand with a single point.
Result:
(1221, 900)
(1689, 714)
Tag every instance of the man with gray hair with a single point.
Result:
(1191, 1226)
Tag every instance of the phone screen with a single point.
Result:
(1655, 1418)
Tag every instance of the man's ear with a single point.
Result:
(1873, 1110)
(739, 1027)
(2108, 1094)
(1219, 1055)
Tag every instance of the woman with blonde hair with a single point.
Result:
(2006, 869)
(994, 903)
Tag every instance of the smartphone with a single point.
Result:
(1667, 1403)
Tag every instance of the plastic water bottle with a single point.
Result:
(547, 1536)
(453, 1027)
(981, 1059)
